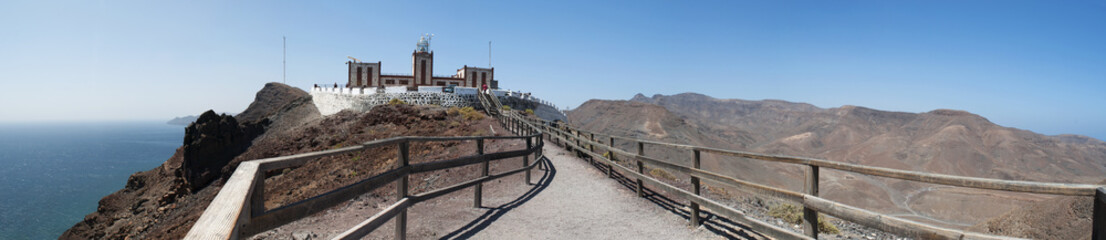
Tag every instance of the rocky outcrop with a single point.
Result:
(269, 101)
(210, 143)
(161, 202)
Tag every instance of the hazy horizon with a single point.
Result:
(1028, 65)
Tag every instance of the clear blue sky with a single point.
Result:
(1036, 65)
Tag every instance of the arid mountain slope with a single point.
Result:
(939, 141)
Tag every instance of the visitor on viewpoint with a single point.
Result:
(484, 88)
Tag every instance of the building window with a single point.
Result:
(474, 80)
(484, 77)
(422, 72)
(389, 81)
(403, 82)
(441, 84)
(358, 83)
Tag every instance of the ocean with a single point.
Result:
(53, 174)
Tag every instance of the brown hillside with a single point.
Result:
(1064, 217)
(941, 141)
(164, 202)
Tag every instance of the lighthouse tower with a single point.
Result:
(422, 65)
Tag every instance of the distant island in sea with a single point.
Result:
(183, 121)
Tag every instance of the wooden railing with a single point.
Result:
(585, 143)
(239, 210)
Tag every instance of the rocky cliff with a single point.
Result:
(157, 203)
(164, 202)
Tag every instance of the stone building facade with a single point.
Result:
(367, 74)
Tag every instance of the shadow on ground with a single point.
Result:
(717, 224)
(482, 222)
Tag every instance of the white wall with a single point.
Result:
(331, 100)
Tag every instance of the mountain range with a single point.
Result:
(940, 141)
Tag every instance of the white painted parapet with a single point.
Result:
(430, 88)
(465, 90)
(330, 100)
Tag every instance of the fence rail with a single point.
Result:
(238, 209)
(584, 142)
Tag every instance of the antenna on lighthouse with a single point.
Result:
(489, 54)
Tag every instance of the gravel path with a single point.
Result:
(578, 201)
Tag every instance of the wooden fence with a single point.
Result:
(239, 210)
(584, 142)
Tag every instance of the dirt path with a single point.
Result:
(578, 201)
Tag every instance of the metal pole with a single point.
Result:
(284, 61)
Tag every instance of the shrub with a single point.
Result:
(506, 108)
(453, 111)
(794, 215)
(395, 101)
(529, 111)
(468, 113)
(657, 172)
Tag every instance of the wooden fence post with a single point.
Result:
(810, 217)
(695, 221)
(591, 147)
(526, 160)
(401, 192)
(1098, 220)
(257, 198)
(640, 168)
(610, 156)
(479, 190)
(578, 147)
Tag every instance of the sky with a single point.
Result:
(1035, 65)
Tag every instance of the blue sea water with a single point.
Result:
(53, 174)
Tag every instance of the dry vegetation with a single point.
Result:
(794, 215)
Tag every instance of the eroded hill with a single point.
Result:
(940, 141)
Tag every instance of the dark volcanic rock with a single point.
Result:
(210, 143)
(161, 203)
